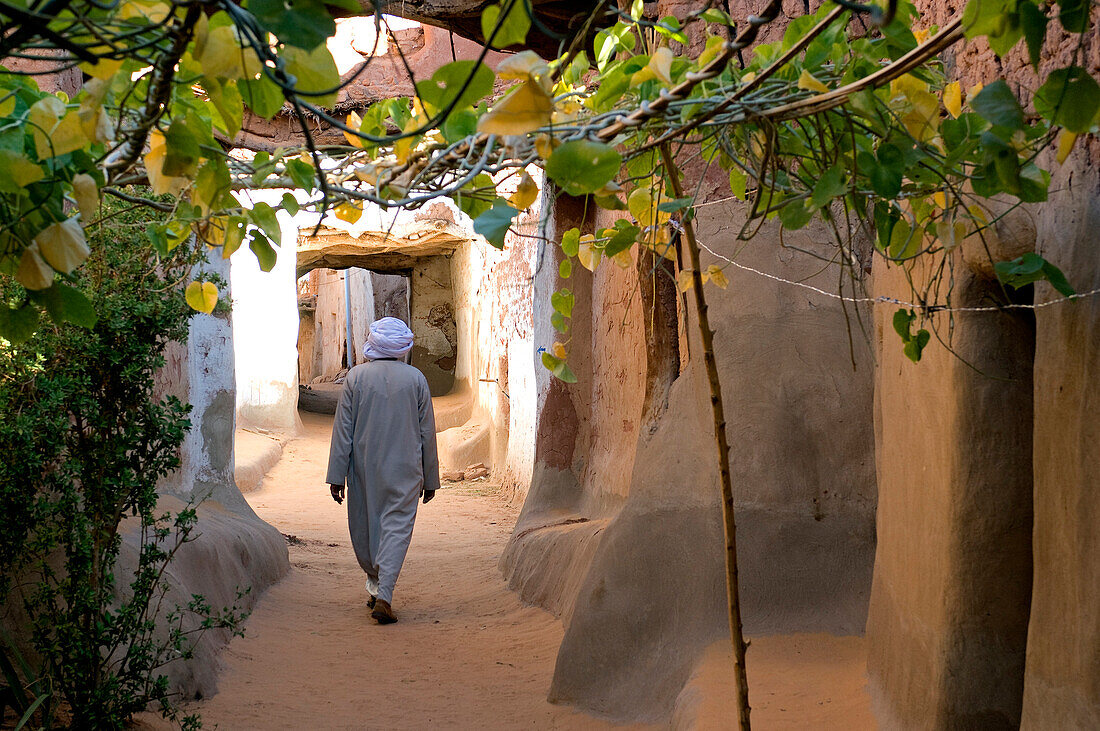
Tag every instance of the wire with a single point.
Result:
(883, 299)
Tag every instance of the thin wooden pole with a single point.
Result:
(721, 442)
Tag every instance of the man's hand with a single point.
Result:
(428, 495)
(337, 492)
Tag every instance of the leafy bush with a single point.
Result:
(84, 441)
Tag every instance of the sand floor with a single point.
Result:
(466, 653)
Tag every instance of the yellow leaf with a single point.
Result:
(63, 245)
(659, 67)
(154, 164)
(22, 171)
(587, 253)
(939, 199)
(404, 146)
(355, 122)
(348, 211)
(921, 35)
(1065, 144)
(202, 296)
(559, 351)
(685, 280)
(748, 78)
(640, 205)
(86, 193)
(526, 194)
(524, 110)
(623, 259)
(809, 82)
(952, 99)
(718, 276)
(950, 234)
(222, 56)
(102, 69)
(33, 272)
(711, 51)
(661, 63)
(974, 90)
(522, 65)
(544, 145)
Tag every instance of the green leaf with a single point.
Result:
(622, 237)
(831, 184)
(461, 84)
(302, 173)
(212, 184)
(315, 74)
(459, 124)
(1074, 15)
(562, 301)
(582, 166)
(67, 304)
(885, 170)
(263, 96)
(571, 242)
(1070, 98)
(290, 204)
(915, 346)
(493, 224)
(474, 205)
(559, 368)
(738, 182)
(610, 203)
(565, 269)
(1031, 268)
(506, 23)
(302, 23)
(226, 98)
(675, 204)
(794, 215)
(1033, 22)
(182, 151)
(904, 241)
(903, 320)
(263, 216)
(558, 321)
(18, 324)
(261, 247)
(997, 105)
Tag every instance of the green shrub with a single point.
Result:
(83, 443)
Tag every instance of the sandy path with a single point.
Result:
(465, 653)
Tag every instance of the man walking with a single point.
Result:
(383, 445)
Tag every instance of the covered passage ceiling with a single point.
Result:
(385, 252)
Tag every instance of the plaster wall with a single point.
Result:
(235, 549)
(949, 607)
(432, 319)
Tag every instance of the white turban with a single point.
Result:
(388, 338)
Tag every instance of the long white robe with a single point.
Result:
(383, 444)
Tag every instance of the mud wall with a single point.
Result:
(621, 532)
(495, 368)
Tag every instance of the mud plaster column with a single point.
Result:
(435, 344)
(1062, 684)
(952, 581)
